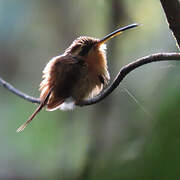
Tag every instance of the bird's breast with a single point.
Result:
(90, 83)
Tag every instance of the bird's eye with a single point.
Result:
(85, 49)
(76, 49)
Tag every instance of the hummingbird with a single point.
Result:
(81, 72)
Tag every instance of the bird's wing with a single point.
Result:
(61, 73)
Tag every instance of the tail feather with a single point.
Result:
(22, 127)
(43, 103)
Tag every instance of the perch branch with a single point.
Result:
(172, 11)
(18, 92)
(124, 71)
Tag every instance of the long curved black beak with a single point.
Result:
(115, 33)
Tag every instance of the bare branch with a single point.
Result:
(172, 11)
(18, 92)
(124, 71)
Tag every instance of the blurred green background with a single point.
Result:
(132, 135)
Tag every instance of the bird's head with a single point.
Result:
(83, 45)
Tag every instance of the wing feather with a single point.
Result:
(60, 73)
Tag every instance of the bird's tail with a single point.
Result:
(42, 104)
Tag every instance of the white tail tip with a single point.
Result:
(21, 128)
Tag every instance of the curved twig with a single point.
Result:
(18, 92)
(124, 71)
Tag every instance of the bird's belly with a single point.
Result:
(85, 88)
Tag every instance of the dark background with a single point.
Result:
(133, 134)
